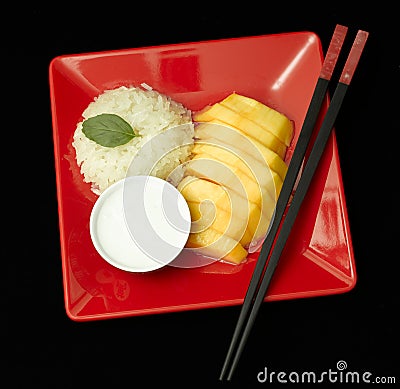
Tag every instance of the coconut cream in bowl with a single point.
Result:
(140, 223)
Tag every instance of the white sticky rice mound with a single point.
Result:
(150, 113)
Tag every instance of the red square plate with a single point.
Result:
(280, 70)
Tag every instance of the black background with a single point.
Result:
(46, 348)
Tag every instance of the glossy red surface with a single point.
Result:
(280, 70)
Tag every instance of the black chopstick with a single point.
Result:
(258, 287)
(290, 179)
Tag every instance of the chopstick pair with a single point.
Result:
(263, 273)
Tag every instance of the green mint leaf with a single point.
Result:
(108, 130)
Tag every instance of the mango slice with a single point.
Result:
(219, 171)
(217, 245)
(205, 215)
(256, 170)
(266, 117)
(249, 214)
(232, 138)
(235, 175)
(243, 124)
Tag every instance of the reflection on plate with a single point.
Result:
(280, 70)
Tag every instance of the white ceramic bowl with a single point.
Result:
(140, 223)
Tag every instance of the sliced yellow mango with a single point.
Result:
(265, 116)
(219, 171)
(205, 166)
(245, 125)
(217, 245)
(235, 140)
(269, 180)
(199, 190)
(273, 160)
(260, 172)
(258, 197)
(205, 215)
(203, 115)
(238, 165)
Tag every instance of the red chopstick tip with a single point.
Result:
(354, 57)
(333, 51)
